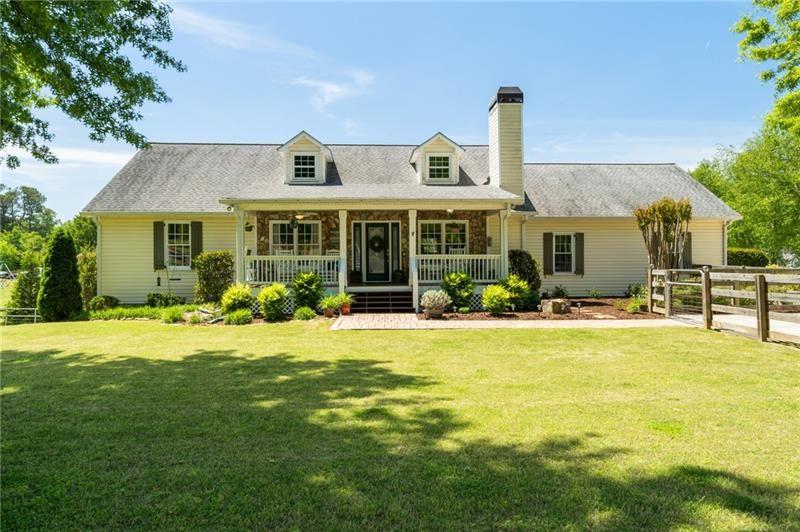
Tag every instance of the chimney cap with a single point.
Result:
(507, 95)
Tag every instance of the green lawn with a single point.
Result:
(119, 425)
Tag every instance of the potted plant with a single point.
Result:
(329, 305)
(345, 300)
(434, 302)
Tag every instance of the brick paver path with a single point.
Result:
(410, 321)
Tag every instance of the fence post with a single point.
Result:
(650, 288)
(667, 293)
(762, 307)
(706, 286)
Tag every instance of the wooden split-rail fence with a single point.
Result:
(717, 295)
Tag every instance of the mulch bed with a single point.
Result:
(590, 310)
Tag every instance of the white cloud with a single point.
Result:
(325, 92)
(232, 34)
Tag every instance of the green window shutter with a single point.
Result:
(578, 253)
(158, 245)
(548, 254)
(196, 239)
(687, 251)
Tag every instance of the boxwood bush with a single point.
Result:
(756, 258)
(459, 286)
(272, 301)
(103, 302)
(214, 275)
(304, 313)
(307, 289)
(520, 294)
(237, 297)
(163, 299)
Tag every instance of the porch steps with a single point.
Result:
(378, 302)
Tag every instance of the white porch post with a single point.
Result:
(412, 257)
(504, 242)
(342, 250)
(239, 246)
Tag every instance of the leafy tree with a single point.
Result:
(762, 182)
(23, 244)
(25, 290)
(72, 55)
(83, 232)
(24, 208)
(60, 291)
(87, 276)
(664, 224)
(772, 35)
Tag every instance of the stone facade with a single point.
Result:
(477, 226)
(330, 228)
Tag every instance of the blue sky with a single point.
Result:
(603, 82)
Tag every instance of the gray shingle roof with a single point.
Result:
(194, 177)
(589, 190)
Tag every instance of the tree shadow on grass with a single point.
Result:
(223, 440)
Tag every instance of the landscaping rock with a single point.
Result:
(556, 306)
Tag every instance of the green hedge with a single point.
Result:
(747, 257)
(214, 275)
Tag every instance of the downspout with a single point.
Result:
(98, 260)
(725, 242)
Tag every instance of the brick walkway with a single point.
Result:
(410, 321)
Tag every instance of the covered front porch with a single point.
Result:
(359, 250)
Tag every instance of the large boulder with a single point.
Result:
(556, 306)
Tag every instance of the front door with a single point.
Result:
(377, 252)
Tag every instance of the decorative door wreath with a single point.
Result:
(376, 244)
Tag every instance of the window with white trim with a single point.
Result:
(563, 253)
(443, 237)
(179, 244)
(300, 238)
(305, 167)
(439, 167)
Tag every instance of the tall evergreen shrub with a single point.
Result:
(60, 291)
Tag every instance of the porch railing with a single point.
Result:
(481, 268)
(265, 269)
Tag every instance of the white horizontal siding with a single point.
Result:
(126, 261)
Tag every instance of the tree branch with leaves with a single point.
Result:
(72, 55)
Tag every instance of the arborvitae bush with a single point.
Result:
(60, 291)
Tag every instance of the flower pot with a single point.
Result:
(434, 313)
(328, 312)
(344, 310)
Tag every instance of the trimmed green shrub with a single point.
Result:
(103, 302)
(559, 292)
(747, 257)
(636, 290)
(272, 301)
(304, 313)
(634, 304)
(496, 299)
(594, 293)
(521, 295)
(237, 297)
(458, 285)
(214, 275)
(242, 316)
(87, 276)
(463, 310)
(521, 263)
(307, 289)
(163, 299)
(60, 291)
(172, 315)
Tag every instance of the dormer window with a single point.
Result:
(305, 166)
(438, 167)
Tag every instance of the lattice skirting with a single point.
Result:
(475, 301)
(288, 308)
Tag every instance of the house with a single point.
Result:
(386, 221)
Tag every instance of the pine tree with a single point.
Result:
(60, 291)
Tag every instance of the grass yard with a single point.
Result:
(112, 425)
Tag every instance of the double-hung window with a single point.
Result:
(443, 237)
(439, 167)
(179, 245)
(305, 167)
(563, 253)
(300, 238)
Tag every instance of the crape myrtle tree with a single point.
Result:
(664, 225)
(72, 56)
(60, 290)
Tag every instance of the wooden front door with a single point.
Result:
(377, 253)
